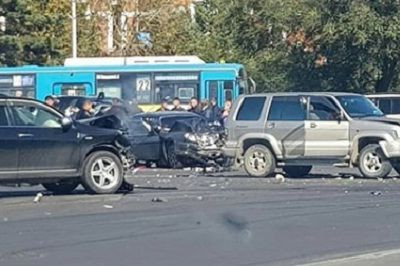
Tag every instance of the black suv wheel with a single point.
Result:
(259, 161)
(103, 173)
(373, 163)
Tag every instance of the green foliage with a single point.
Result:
(286, 45)
(343, 45)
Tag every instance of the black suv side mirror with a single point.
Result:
(66, 123)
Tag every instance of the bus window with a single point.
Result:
(110, 85)
(71, 89)
(212, 89)
(228, 90)
(18, 85)
(185, 94)
(176, 84)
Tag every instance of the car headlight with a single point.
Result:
(191, 137)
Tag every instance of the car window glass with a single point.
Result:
(3, 115)
(34, 116)
(321, 108)
(385, 105)
(168, 122)
(288, 108)
(251, 109)
(137, 128)
(395, 106)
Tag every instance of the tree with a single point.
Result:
(141, 27)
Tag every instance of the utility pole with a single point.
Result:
(74, 31)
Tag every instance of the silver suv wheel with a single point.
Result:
(373, 163)
(259, 161)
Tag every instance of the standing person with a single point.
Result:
(177, 105)
(226, 112)
(50, 101)
(164, 106)
(87, 110)
(195, 106)
(213, 113)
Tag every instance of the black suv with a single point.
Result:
(38, 145)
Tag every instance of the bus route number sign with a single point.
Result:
(143, 83)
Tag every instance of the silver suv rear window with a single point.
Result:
(251, 109)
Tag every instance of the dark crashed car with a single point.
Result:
(175, 139)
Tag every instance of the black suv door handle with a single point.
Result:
(25, 135)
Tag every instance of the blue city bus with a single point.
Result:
(146, 83)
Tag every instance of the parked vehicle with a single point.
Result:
(145, 80)
(389, 104)
(175, 139)
(300, 130)
(39, 145)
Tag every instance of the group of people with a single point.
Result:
(87, 110)
(209, 109)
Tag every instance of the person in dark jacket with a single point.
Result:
(195, 106)
(177, 105)
(213, 112)
(164, 106)
(87, 110)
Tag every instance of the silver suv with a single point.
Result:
(299, 130)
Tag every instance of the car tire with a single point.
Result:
(172, 158)
(373, 163)
(102, 173)
(259, 161)
(297, 171)
(60, 188)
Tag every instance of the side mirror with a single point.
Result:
(340, 116)
(66, 123)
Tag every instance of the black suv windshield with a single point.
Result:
(359, 106)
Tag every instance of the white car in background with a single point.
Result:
(389, 104)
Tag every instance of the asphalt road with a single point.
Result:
(218, 219)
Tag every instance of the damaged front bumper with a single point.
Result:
(201, 154)
(391, 148)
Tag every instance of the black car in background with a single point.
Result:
(39, 145)
(174, 139)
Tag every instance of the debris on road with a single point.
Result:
(38, 197)
(108, 206)
(280, 178)
(156, 199)
(213, 185)
(200, 198)
(5, 219)
(376, 193)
